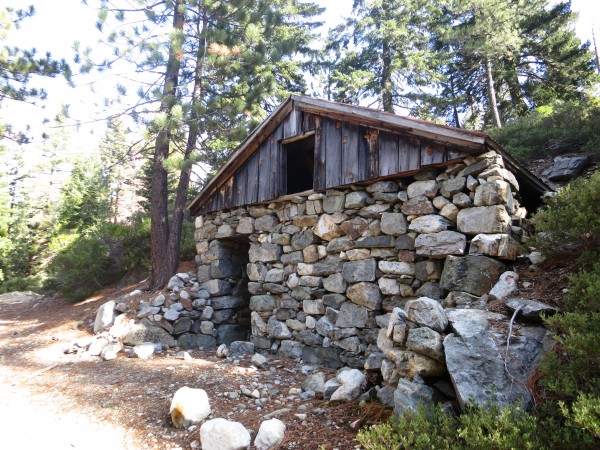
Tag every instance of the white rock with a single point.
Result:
(104, 317)
(270, 434)
(189, 406)
(353, 382)
(144, 350)
(222, 351)
(221, 434)
(506, 285)
(171, 314)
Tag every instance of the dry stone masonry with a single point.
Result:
(389, 279)
(318, 276)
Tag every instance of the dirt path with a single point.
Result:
(53, 400)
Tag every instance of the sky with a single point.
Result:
(59, 23)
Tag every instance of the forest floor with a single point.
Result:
(53, 400)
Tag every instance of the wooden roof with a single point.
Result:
(469, 142)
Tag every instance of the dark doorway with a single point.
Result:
(299, 157)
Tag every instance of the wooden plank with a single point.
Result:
(290, 124)
(409, 154)
(264, 170)
(350, 152)
(320, 161)
(453, 153)
(252, 180)
(308, 122)
(332, 138)
(371, 137)
(388, 154)
(240, 185)
(228, 194)
(277, 168)
(432, 153)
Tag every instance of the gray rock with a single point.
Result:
(408, 395)
(431, 223)
(397, 268)
(386, 395)
(182, 325)
(365, 294)
(330, 387)
(266, 223)
(393, 224)
(314, 382)
(425, 341)
(146, 333)
(478, 372)
(417, 206)
(313, 307)
(227, 302)
(217, 287)
(263, 303)
(431, 290)
(374, 360)
(473, 274)
(241, 348)
(303, 239)
(353, 382)
(492, 193)
(171, 315)
(221, 434)
(259, 361)
(383, 186)
(374, 211)
(266, 253)
(189, 406)
(428, 270)
(362, 270)
(159, 300)
(105, 316)
(270, 433)
(335, 283)
(441, 244)
(277, 329)
(452, 186)
(427, 188)
(322, 356)
(291, 349)
(566, 168)
(356, 199)
(506, 285)
(502, 246)
(352, 315)
(224, 268)
(427, 312)
(147, 311)
(376, 242)
(462, 200)
(530, 309)
(457, 299)
(483, 219)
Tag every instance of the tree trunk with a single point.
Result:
(386, 79)
(159, 217)
(514, 88)
(492, 93)
(184, 175)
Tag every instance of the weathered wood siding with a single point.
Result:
(345, 153)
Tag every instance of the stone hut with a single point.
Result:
(338, 233)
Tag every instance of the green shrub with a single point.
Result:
(81, 267)
(570, 224)
(557, 128)
(478, 428)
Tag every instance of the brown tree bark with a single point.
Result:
(492, 93)
(161, 269)
(193, 132)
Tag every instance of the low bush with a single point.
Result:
(492, 428)
(552, 129)
(569, 225)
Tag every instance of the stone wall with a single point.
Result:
(325, 272)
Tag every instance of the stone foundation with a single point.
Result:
(318, 276)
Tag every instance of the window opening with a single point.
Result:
(299, 157)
